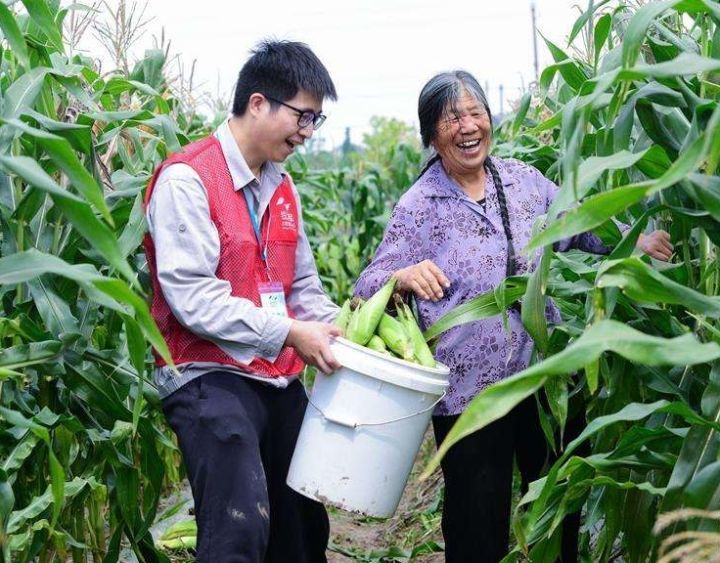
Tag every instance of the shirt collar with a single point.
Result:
(436, 182)
(239, 170)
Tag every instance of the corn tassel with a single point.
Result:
(366, 319)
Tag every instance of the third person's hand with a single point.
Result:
(656, 244)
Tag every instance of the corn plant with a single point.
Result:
(628, 124)
(345, 210)
(85, 454)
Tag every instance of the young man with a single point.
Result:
(239, 302)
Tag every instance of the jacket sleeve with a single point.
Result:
(398, 249)
(588, 241)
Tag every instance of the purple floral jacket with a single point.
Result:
(436, 220)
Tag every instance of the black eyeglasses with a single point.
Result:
(306, 117)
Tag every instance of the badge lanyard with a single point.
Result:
(272, 296)
(256, 226)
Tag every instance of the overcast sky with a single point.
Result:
(379, 52)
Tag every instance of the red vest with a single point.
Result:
(240, 260)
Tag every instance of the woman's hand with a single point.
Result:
(656, 245)
(425, 279)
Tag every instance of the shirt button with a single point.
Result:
(182, 228)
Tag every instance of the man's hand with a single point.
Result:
(656, 245)
(312, 341)
(425, 279)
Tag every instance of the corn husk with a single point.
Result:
(395, 336)
(366, 318)
(343, 316)
(421, 350)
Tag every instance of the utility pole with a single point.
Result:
(502, 110)
(534, 36)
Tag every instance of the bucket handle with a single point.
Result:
(359, 424)
(356, 425)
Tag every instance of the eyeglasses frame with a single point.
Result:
(317, 118)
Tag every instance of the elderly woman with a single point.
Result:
(453, 235)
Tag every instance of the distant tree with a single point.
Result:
(347, 146)
(386, 135)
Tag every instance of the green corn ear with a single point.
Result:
(343, 316)
(352, 325)
(421, 350)
(356, 304)
(376, 343)
(182, 542)
(181, 535)
(395, 336)
(180, 529)
(366, 319)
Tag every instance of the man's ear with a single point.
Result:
(256, 104)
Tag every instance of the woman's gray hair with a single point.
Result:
(440, 95)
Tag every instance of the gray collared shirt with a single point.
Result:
(187, 249)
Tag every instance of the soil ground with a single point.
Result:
(412, 534)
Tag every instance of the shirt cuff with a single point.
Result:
(623, 227)
(273, 337)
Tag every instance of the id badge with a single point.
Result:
(272, 298)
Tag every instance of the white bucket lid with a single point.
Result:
(388, 368)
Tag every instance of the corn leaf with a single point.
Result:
(605, 336)
(14, 36)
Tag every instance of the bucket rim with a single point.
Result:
(392, 370)
(440, 370)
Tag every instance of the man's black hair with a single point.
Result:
(279, 69)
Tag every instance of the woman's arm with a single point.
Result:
(656, 244)
(402, 254)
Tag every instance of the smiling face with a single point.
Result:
(463, 136)
(278, 132)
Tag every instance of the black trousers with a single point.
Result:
(478, 473)
(237, 437)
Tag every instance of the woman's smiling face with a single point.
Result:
(463, 136)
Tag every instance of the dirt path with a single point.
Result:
(416, 522)
(355, 538)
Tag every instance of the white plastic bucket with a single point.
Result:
(363, 428)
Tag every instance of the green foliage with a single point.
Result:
(629, 129)
(345, 210)
(386, 134)
(86, 455)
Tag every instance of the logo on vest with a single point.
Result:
(287, 217)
